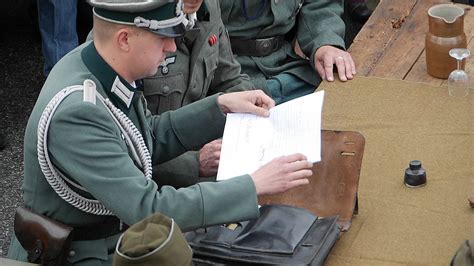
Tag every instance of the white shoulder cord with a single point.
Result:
(132, 136)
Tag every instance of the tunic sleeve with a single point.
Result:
(86, 146)
(320, 23)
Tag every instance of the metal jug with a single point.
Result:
(446, 31)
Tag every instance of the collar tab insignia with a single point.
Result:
(122, 92)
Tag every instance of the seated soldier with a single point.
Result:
(90, 142)
(261, 34)
(202, 65)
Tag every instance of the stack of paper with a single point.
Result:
(251, 141)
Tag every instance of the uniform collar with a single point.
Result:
(203, 12)
(191, 35)
(118, 90)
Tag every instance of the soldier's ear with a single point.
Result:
(122, 38)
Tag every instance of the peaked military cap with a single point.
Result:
(156, 240)
(163, 17)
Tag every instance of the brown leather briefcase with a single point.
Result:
(46, 241)
(332, 188)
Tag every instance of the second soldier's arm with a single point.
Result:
(320, 26)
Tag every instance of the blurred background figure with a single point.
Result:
(57, 24)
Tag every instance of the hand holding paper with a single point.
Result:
(254, 102)
(250, 141)
(281, 174)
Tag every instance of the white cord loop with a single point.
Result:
(190, 20)
(162, 24)
(133, 139)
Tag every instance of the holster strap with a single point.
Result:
(109, 227)
(256, 47)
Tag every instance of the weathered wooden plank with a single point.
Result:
(407, 45)
(468, 20)
(418, 72)
(392, 42)
(370, 44)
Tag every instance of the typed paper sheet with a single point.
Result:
(250, 141)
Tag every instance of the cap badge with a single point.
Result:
(168, 61)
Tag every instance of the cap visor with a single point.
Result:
(171, 32)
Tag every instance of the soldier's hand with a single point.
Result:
(327, 56)
(255, 102)
(209, 157)
(282, 174)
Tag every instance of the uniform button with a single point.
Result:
(276, 1)
(72, 253)
(166, 89)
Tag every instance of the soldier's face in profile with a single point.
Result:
(149, 51)
(191, 6)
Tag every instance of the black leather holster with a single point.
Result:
(46, 241)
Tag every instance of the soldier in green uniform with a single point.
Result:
(262, 32)
(202, 65)
(90, 142)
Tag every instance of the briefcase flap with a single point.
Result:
(332, 188)
(282, 234)
(270, 233)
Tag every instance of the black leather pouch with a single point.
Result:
(281, 235)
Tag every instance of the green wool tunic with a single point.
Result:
(200, 67)
(86, 145)
(316, 24)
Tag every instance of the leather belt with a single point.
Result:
(109, 227)
(256, 47)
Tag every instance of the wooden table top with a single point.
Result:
(392, 42)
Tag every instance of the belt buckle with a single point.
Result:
(264, 46)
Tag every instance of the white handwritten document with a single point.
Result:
(251, 141)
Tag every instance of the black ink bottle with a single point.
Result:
(415, 175)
